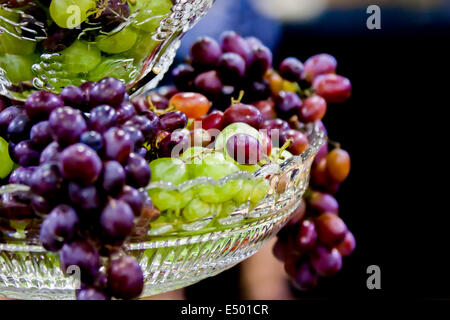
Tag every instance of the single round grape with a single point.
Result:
(84, 197)
(169, 169)
(116, 220)
(6, 164)
(323, 202)
(86, 88)
(326, 262)
(338, 165)
(209, 83)
(135, 135)
(244, 149)
(50, 153)
(91, 294)
(231, 66)
(118, 144)
(72, 96)
(19, 128)
(59, 39)
(319, 64)
(138, 173)
(330, 228)
(332, 87)
(214, 166)
(125, 111)
(205, 52)
(173, 120)
(196, 210)
(319, 174)
(253, 42)
(66, 125)
(148, 125)
(261, 62)
(305, 278)
(243, 113)
(193, 105)
(80, 163)
(25, 154)
(299, 141)
(347, 246)
(47, 237)
(174, 144)
(214, 120)
(62, 222)
(92, 139)
(6, 116)
(40, 134)
(292, 69)
(46, 180)
(113, 178)
(118, 42)
(313, 109)
(82, 254)
(108, 91)
(62, 12)
(21, 175)
(183, 77)
(287, 104)
(92, 56)
(267, 109)
(134, 199)
(230, 41)
(41, 103)
(102, 118)
(125, 278)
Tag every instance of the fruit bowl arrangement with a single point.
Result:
(41, 42)
(105, 196)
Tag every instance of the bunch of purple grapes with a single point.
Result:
(82, 154)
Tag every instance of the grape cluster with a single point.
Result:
(81, 154)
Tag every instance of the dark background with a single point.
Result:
(392, 126)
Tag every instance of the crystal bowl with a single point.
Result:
(37, 53)
(170, 258)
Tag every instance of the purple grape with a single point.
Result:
(86, 88)
(287, 104)
(41, 103)
(40, 134)
(6, 116)
(244, 149)
(47, 237)
(257, 90)
(125, 278)
(262, 61)
(230, 41)
(133, 198)
(113, 178)
(253, 42)
(209, 83)
(66, 125)
(243, 113)
(125, 112)
(62, 224)
(148, 124)
(91, 294)
(231, 67)
(14, 208)
(118, 144)
(46, 180)
(292, 69)
(80, 163)
(84, 197)
(102, 118)
(319, 64)
(135, 135)
(41, 205)
(50, 153)
(21, 175)
(115, 13)
(82, 254)
(137, 171)
(326, 262)
(174, 144)
(158, 101)
(59, 39)
(183, 77)
(116, 220)
(323, 202)
(274, 127)
(307, 235)
(19, 128)
(25, 154)
(72, 96)
(173, 120)
(92, 139)
(305, 278)
(205, 52)
(108, 91)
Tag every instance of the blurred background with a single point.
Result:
(388, 69)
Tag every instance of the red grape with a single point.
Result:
(244, 149)
(319, 64)
(332, 87)
(205, 52)
(291, 69)
(299, 141)
(347, 245)
(338, 164)
(214, 120)
(313, 109)
(267, 109)
(243, 113)
(326, 262)
(330, 228)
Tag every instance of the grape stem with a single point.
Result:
(238, 100)
(153, 109)
(335, 144)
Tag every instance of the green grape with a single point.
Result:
(150, 13)
(114, 66)
(248, 168)
(70, 14)
(18, 68)
(215, 166)
(81, 57)
(260, 191)
(169, 169)
(165, 199)
(192, 156)
(195, 210)
(143, 47)
(227, 208)
(14, 44)
(219, 194)
(118, 42)
(6, 164)
(244, 194)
